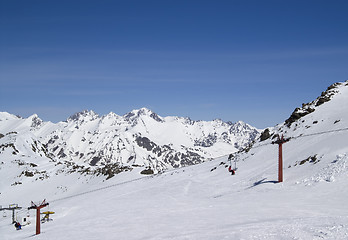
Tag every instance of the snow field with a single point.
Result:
(197, 203)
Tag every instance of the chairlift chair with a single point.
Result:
(234, 169)
(46, 218)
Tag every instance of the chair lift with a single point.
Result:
(26, 219)
(233, 169)
(47, 218)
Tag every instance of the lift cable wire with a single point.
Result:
(320, 133)
(291, 138)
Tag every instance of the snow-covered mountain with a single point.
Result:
(202, 201)
(316, 152)
(139, 138)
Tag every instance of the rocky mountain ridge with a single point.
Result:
(307, 116)
(140, 138)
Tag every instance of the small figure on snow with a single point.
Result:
(18, 226)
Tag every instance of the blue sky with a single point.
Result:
(253, 61)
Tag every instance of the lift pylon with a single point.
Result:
(280, 142)
(38, 207)
(13, 208)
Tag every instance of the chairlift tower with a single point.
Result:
(38, 207)
(13, 208)
(280, 142)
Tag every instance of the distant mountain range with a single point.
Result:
(116, 143)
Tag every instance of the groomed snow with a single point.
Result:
(194, 203)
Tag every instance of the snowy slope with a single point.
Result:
(195, 203)
(204, 201)
(317, 138)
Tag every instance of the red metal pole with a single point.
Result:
(34, 206)
(280, 142)
(280, 164)
(38, 220)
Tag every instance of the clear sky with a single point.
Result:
(246, 60)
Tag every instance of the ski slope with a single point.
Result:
(205, 201)
(197, 203)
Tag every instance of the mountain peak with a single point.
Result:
(35, 120)
(135, 114)
(308, 108)
(141, 111)
(8, 116)
(83, 114)
(111, 115)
